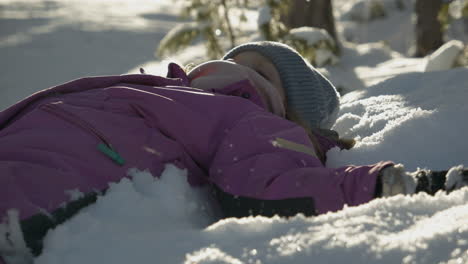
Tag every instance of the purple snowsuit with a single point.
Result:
(87, 133)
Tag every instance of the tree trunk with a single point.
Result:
(428, 27)
(316, 13)
(232, 38)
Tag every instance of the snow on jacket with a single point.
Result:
(86, 133)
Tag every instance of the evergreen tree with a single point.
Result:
(211, 21)
(315, 44)
(317, 13)
(269, 21)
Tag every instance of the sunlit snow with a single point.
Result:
(147, 220)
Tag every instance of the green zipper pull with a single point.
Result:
(111, 154)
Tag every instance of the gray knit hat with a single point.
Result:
(308, 92)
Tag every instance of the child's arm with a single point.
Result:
(253, 161)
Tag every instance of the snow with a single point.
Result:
(417, 119)
(44, 43)
(12, 244)
(74, 194)
(394, 108)
(314, 37)
(358, 25)
(444, 58)
(264, 15)
(148, 219)
(311, 35)
(454, 178)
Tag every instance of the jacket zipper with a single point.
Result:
(104, 146)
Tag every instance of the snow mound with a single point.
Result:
(148, 220)
(418, 119)
(455, 178)
(362, 21)
(133, 217)
(367, 10)
(311, 35)
(319, 46)
(444, 57)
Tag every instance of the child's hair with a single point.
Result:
(292, 115)
(345, 143)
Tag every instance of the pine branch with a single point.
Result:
(178, 38)
(228, 24)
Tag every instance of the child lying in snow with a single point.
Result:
(232, 123)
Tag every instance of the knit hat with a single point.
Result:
(308, 92)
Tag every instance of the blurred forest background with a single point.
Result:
(307, 25)
(355, 43)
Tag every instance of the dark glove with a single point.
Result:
(433, 181)
(395, 180)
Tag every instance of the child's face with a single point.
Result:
(249, 65)
(262, 66)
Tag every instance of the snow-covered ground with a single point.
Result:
(47, 42)
(164, 220)
(397, 110)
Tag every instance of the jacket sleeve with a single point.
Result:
(266, 157)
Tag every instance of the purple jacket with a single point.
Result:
(87, 133)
